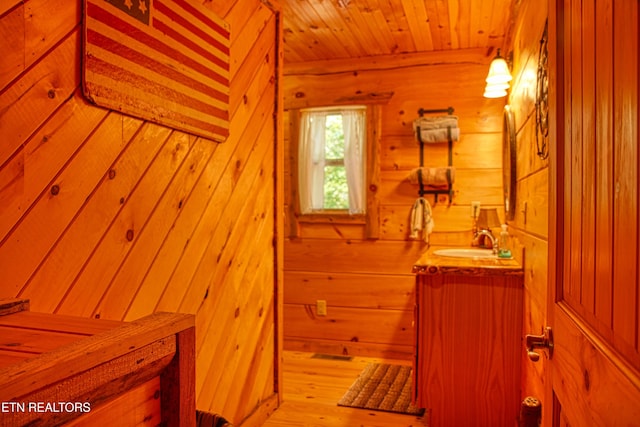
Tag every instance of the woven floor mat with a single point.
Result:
(382, 387)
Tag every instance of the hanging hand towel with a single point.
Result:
(434, 177)
(421, 220)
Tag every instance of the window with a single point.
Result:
(321, 151)
(332, 159)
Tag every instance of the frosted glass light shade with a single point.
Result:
(496, 90)
(498, 71)
(498, 78)
(488, 93)
(497, 86)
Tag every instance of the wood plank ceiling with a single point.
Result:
(316, 30)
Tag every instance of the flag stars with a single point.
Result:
(136, 9)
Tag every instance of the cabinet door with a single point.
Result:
(470, 349)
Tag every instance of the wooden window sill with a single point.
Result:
(334, 217)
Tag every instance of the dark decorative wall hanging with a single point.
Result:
(542, 98)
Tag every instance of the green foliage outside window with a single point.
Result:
(336, 191)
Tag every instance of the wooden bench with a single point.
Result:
(57, 369)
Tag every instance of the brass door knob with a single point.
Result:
(533, 342)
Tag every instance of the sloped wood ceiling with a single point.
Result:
(337, 29)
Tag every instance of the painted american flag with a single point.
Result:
(166, 61)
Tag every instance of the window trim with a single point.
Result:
(369, 219)
(359, 206)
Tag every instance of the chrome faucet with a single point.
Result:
(487, 233)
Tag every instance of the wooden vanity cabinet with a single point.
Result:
(469, 348)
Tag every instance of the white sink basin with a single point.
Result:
(466, 253)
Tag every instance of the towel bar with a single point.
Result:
(449, 189)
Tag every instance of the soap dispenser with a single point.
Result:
(504, 249)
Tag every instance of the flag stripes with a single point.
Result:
(108, 88)
(142, 85)
(213, 40)
(174, 72)
(162, 75)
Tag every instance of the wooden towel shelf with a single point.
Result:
(448, 190)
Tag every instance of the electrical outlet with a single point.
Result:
(321, 307)
(475, 209)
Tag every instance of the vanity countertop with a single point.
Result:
(430, 263)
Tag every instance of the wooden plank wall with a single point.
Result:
(107, 216)
(530, 225)
(368, 284)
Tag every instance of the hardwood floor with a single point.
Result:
(313, 386)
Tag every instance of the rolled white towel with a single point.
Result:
(436, 128)
(435, 177)
(436, 122)
(438, 135)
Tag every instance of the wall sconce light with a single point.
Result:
(498, 78)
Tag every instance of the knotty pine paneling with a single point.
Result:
(392, 292)
(366, 325)
(12, 33)
(484, 185)
(29, 102)
(392, 328)
(474, 150)
(108, 216)
(345, 256)
(31, 28)
(31, 238)
(449, 220)
(355, 302)
(526, 157)
(72, 122)
(434, 86)
(365, 349)
(535, 309)
(531, 222)
(325, 30)
(532, 214)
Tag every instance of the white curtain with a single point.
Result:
(311, 158)
(354, 124)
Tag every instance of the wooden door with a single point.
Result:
(594, 260)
